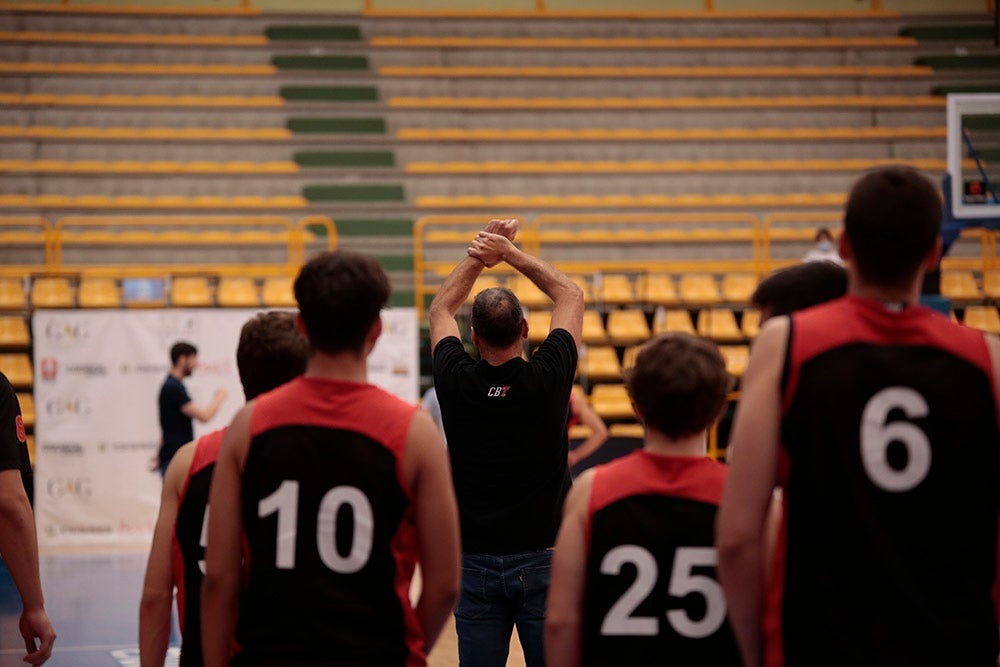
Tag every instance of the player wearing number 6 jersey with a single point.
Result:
(633, 577)
(270, 353)
(878, 417)
(339, 489)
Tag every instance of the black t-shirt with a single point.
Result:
(177, 427)
(507, 440)
(13, 441)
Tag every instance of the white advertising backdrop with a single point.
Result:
(97, 378)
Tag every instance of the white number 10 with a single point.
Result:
(285, 501)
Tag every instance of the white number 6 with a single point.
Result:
(876, 435)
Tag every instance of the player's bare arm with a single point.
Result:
(19, 549)
(564, 608)
(427, 472)
(598, 429)
(224, 552)
(741, 530)
(158, 587)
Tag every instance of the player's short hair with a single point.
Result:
(181, 349)
(679, 384)
(271, 352)
(340, 295)
(892, 220)
(497, 316)
(799, 287)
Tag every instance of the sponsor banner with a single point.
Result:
(97, 380)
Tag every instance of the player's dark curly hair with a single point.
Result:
(892, 220)
(679, 384)
(340, 294)
(271, 352)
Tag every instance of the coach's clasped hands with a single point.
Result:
(492, 244)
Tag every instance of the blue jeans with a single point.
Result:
(499, 592)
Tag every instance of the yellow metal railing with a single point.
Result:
(740, 232)
(27, 232)
(801, 227)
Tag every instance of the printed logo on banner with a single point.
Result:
(102, 529)
(65, 449)
(50, 368)
(67, 332)
(76, 487)
(61, 407)
(87, 370)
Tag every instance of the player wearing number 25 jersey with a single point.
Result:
(633, 578)
(878, 417)
(338, 489)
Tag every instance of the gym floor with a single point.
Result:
(93, 601)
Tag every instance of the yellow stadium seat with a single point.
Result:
(614, 289)
(719, 324)
(657, 289)
(599, 363)
(14, 332)
(17, 368)
(960, 285)
(984, 318)
(27, 402)
(238, 293)
(528, 293)
(52, 293)
(672, 320)
(191, 293)
(991, 284)
(627, 327)
(538, 325)
(593, 328)
(99, 293)
(738, 287)
(699, 289)
(12, 296)
(278, 292)
(611, 402)
(751, 323)
(737, 357)
(629, 357)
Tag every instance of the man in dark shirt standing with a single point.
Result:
(176, 407)
(18, 542)
(505, 419)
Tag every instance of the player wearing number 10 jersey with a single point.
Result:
(338, 488)
(633, 577)
(878, 417)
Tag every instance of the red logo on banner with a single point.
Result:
(19, 424)
(50, 367)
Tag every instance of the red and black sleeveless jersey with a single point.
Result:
(651, 587)
(329, 523)
(891, 468)
(189, 544)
